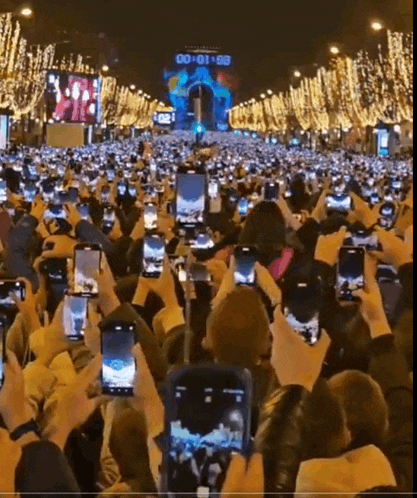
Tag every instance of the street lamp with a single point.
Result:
(377, 26)
(263, 95)
(269, 92)
(26, 12)
(105, 68)
(133, 87)
(334, 50)
(297, 74)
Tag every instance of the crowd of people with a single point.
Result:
(327, 344)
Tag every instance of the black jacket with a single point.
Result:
(279, 438)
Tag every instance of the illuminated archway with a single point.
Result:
(183, 82)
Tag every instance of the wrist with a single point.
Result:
(57, 432)
(379, 327)
(28, 438)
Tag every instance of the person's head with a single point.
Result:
(364, 405)
(265, 228)
(238, 329)
(325, 433)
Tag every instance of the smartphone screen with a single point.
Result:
(121, 188)
(270, 191)
(153, 256)
(202, 241)
(150, 215)
(308, 329)
(73, 195)
(387, 210)
(29, 193)
(190, 199)
(367, 240)
(84, 211)
(8, 290)
(199, 273)
(55, 271)
(56, 211)
(350, 272)
(75, 317)
(243, 206)
(207, 418)
(86, 269)
(3, 191)
(119, 369)
(340, 203)
(213, 189)
(245, 259)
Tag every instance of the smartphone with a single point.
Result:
(387, 210)
(105, 195)
(150, 216)
(245, 259)
(301, 307)
(55, 271)
(75, 314)
(8, 290)
(3, 191)
(119, 369)
(87, 261)
(153, 256)
(190, 199)
(56, 211)
(271, 190)
(84, 211)
(243, 207)
(132, 191)
(202, 241)
(29, 193)
(121, 189)
(207, 418)
(363, 238)
(213, 189)
(3, 331)
(62, 196)
(199, 273)
(350, 272)
(73, 195)
(341, 203)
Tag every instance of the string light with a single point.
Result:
(23, 81)
(351, 94)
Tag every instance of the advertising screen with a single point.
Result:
(72, 98)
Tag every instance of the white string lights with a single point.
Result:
(23, 81)
(355, 93)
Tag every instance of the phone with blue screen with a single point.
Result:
(119, 366)
(208, 417)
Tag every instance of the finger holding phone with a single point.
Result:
(295, 362)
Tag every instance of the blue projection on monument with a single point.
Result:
(188, 81)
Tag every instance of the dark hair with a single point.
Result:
(324, 424)
(332, 224)
(264, 228)
(364, 404)
(239, 328)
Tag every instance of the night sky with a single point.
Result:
(267, 39)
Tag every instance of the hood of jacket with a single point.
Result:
(353, 472)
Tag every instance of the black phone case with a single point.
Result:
(204, 371)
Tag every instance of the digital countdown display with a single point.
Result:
(185, 59)
(164, 118)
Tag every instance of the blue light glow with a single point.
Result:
(198, 128)
(184, 81)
